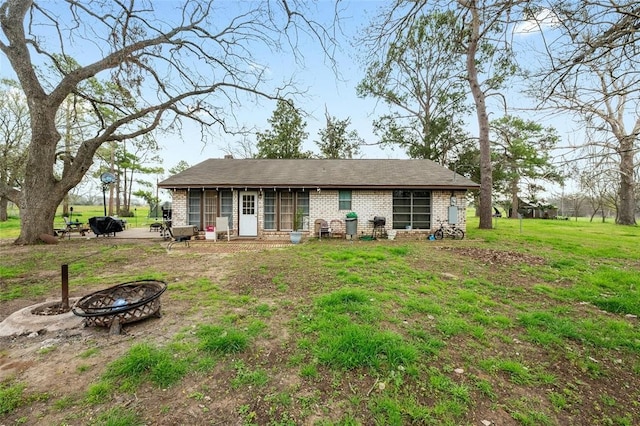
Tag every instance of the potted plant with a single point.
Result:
(296, 234)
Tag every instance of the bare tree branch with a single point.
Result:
(192, 60)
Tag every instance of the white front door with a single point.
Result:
(248, 226)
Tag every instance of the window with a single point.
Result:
(194, 208)
(344, 200)
(411, 208)
(210, 208)
(248, 204)
(226, 206)
(280, 207)
(302, 203)
(270, 210)
(286, 211)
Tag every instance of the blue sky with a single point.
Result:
(321, 86)
(322, 89)
(325, 89)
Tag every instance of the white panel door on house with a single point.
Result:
(248, 226)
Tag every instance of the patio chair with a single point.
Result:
(222, 225)
(337, 228)
(321, 228)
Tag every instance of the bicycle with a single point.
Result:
(448, 231)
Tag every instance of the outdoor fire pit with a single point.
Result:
(121, 304)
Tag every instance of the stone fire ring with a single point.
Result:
(27, 321)
(122, 303)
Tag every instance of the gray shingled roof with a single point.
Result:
(224, 173)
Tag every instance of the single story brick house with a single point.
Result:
(261, 196)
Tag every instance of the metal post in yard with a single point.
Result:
(65, 286)
(520, 217)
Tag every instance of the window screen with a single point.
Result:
(194, 207)
(302, 202)
(210, 208)
(286, 211)
(226, 206)
(344, 200)
(270, 210)
(411, 208)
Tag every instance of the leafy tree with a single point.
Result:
(285, 138)
(126, 161)
(336, 141)
(523, 154)
(75, 119)
(148, 196)
(180, 167)
(175, 60)
(481, 41)
(487, 52)
(419, 78)
(14, 139)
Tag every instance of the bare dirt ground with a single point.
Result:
(52, 365)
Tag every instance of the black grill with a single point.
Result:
(105, 225)
(379, 221)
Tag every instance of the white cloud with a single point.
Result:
(545, 18)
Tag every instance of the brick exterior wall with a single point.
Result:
(323, 204)
(366, 204)
(179, 208)
(179, 205)
(440, 202)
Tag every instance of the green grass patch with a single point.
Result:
(64, 403)
(200, 291)
(345, 336)
(118, 416)
(89, 353)
(223, 340)
(517, 372)
(7, 271)
(11, 396)
(353, 345)
(99, 392)
(379, 326)
(245, 376)
(359, 305)
(146, 362)
(551, 328)
(22, 290)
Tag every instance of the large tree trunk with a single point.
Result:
(42, 191)
(37, 212)
(515, 205)
(627, 210)
(486, 178)
(4, 205)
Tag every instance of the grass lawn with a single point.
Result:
(11, 228)
(532, 323)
